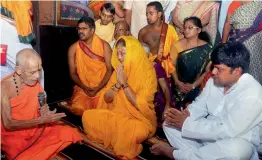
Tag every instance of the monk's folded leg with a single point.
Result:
(58, 137)
(50, 140)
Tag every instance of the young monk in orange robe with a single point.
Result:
(130, 118)
(22, 123)
(89, 65)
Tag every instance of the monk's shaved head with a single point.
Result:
(124, 24)
(121, 29)
(27, 56)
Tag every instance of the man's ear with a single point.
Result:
(238, 71)
(200, 30)
(18, 70)
(159, 14)
(93, 30)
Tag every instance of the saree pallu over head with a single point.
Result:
(19, 11)
(141, 78)
(90, 65)
(199, 9)
(191, 65)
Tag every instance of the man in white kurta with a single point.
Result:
(225, 121)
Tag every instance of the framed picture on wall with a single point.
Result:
(69, 12)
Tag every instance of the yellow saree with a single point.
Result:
(123, 127)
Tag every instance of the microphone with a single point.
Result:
(41, 98)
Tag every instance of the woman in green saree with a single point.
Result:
(190, 57)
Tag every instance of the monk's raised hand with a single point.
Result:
(53, 117)
(44, 109)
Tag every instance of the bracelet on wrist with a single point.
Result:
(117, 87)
(124, 85)
(114, 88)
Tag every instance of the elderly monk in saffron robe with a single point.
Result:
(24, 124)
(89, 65)
(131, 118)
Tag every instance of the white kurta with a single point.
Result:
(221, 125)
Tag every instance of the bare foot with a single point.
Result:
(162, 149)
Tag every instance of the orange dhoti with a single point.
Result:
(91, 69)
(52, 139)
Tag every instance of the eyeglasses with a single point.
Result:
(190, 27)
(79, 28)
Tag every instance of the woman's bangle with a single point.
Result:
(124, 85)
(114, 88)
(117, 87)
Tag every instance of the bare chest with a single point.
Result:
(152, 39)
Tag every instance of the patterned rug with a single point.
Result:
(89, 145)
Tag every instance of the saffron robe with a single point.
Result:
(171, 37)
(91, 68)
(54, 138)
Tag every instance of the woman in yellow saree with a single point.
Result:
(131, 118)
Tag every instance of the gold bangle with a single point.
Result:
(117, 87)
(114, 88)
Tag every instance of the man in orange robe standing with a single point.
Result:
(89, 66)
(27, 131)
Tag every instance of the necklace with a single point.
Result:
(17, 92)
